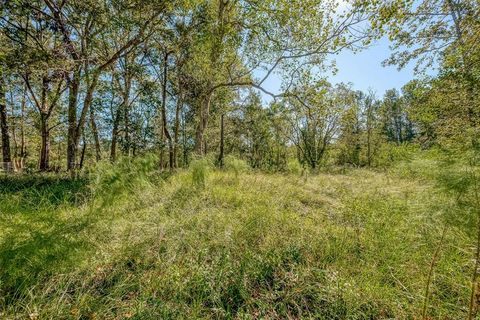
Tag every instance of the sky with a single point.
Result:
(364, 70)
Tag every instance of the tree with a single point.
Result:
(370, 109)
(6, 156)
(316, 113)
(435, 33)
(90, 18)
(134, 76)
(274, 42)
(396, 125)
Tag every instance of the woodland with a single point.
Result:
(149, 169)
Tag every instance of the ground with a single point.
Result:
(343, 244)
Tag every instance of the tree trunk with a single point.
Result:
(201, 126)
(178, 110)
(113, 147)
(98, 148)
(74, 85)
(199, 138)
(14, 131)
(44, 161)
(184, 139)
(125, 106)
(82, 157)
(162, 146)
(164, 112)
(87, 103)
(75, 128)
(126, 122)
(222, 141)
(4, 128)
(122, 108)
(23, 152)
(170, 152)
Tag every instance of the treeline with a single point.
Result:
(82, 81)
(321, 125)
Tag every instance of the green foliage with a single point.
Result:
(397, 127)
(294, 167)
(342, 246)
(258, 134)
(110, 180)
(391, 154)
(238, 166)
(199, 169)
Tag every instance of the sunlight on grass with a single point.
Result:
(247, 245)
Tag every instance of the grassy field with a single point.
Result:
(128, 244)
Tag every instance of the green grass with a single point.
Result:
(246, 246)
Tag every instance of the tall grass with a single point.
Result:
(338, 246)
(237, 166)
(199, 169)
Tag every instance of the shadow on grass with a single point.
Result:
(38, 236)
(33, 193)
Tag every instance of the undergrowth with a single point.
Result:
(128, 243)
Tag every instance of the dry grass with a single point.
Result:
(247, 246)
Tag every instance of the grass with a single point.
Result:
(248, 245)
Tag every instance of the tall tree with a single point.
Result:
(77, 22)
(316, 113)
(6, 156)
(441, 33)
(396, 124)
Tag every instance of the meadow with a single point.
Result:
(239, 159)
(125, 242)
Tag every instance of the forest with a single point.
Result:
(198, 159)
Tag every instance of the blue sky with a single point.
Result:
(363, 70)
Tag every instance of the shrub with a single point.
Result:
(236, 165)
(390, 154)
(294, 167)
(199, 169)
(124, 176)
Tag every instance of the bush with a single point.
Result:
(236, 165)
(199, 169)
(294, 167)
(390, 154)
(124, 176)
